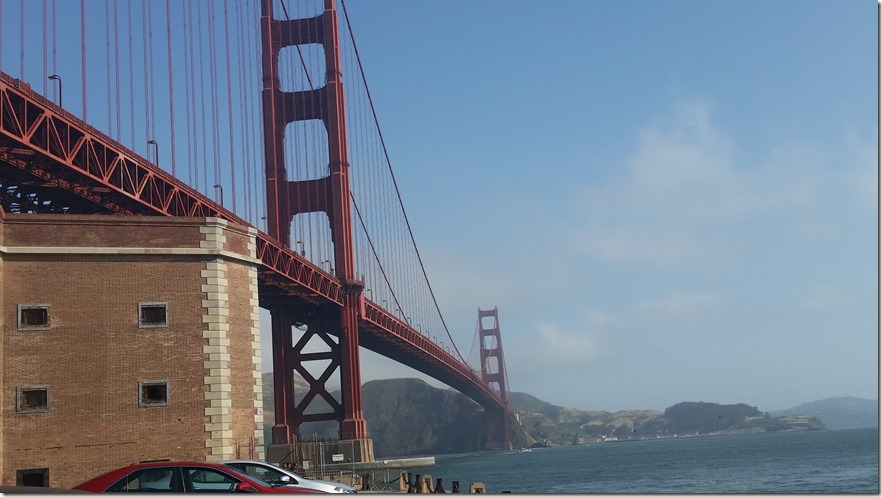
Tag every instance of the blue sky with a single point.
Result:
(666, 200)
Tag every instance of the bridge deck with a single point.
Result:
(53, 162)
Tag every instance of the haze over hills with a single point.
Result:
(839, 413)
(407, 416)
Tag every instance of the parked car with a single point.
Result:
(275, 475)
(182, 477)
(38, 490)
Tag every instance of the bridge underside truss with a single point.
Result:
(52, 162)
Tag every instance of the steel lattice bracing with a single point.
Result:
(329, 194)
(53, 162)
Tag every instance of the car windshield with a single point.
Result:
(247, 476)
(265, 473)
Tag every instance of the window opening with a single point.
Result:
(32, 399)
(36, 477)
(152, 393)
(152, 314)
(33, 317)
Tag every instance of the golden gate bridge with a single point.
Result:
(257, 112)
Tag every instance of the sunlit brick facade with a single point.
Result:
(125, 339)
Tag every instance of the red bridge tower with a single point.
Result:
(493, 374)
(330, 195)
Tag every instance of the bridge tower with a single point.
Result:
(493, 374)
(330, 195)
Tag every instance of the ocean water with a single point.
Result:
(833, 461)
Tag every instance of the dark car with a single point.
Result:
(182, 477)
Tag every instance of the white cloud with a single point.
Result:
(680, 178)
(825, 298)
(686, 197)
(552, 346)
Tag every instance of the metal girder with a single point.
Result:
(385, 334)
(53, 162)
(88, 172)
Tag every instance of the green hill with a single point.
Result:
(839, 413)
(408, 416)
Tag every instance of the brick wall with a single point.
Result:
(92, 272)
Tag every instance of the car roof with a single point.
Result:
(116, 474)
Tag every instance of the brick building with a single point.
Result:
(125, 339)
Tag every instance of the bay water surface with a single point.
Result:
(829, 461)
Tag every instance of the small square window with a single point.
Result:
(32, 399)
(152, 393)
(153, 315)
(37, 477)
(33, 317)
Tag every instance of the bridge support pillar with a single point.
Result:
(329, 194)
(283, 379)
(353, 425)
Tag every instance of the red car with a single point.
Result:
(182, 477)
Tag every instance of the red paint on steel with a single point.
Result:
(60, 153)
(493, 374)
(52, 161)
(329, 195)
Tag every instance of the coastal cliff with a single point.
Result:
(407, 416)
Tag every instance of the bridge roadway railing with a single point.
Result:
(97, 174)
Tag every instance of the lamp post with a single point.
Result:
(302, 247)
(156, 146)
(220, 188)
(57, 78)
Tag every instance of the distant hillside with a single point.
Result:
(839, 413)
(407, 416)
(410, 417)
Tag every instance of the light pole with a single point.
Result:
(57, 78)
(302, 247)
(220, 188)
(156, 146)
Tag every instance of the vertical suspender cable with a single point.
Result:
(201, 92)
(230, 106)
(148, 76)
(190, 95)
(131, 84)
(45, 50)
(54, 41)
(108, 66)
(255, 117)
(151, 79)
(83, 52)
(171, 84)
(21, 13)
(243, 102)
(212, 79)
(392, 175)
(293, 151)
(117, 68)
